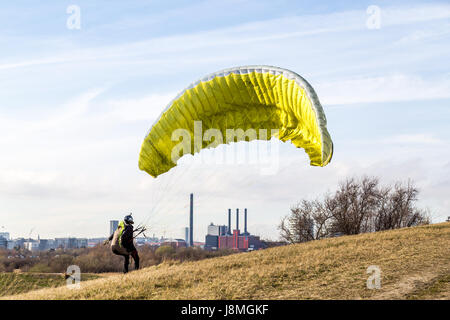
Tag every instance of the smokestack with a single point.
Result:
(245, 221)
(191, 222)
(229, 221)
(237, 219)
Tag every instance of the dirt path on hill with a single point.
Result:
(425, 285)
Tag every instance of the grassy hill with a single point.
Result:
(15, 283)
(415, 264)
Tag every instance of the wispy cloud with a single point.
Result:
(426, 139)
(396, 87)
(425, 35)
(246, 33)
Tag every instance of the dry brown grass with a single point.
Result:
(20, 282)
(324, 269)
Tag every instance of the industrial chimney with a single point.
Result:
(237, 220)
(229, 221)
(191, 222)
(245, 222)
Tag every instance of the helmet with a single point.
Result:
(128, 219)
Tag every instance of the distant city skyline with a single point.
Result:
(113, 224)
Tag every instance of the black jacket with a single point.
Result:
(127, 237)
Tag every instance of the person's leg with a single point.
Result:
(126, 263)
(126, 259)
(135, 256)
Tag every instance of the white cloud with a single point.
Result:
(426, 139)
(424, 35)
(394, 87)
(139, 109)
(415, 13)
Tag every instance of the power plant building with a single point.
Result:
(212, 238)
(217, 230)
(220, 237)
(175, 243)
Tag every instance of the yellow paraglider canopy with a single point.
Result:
(250, 97)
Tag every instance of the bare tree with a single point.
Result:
(397, 210)
(308, 221)
(358, 206)
(354, 205)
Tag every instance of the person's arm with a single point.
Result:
(109, 239)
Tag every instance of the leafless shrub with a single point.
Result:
(353, 205)
(358, 206)
(397, 210)
(309, 220)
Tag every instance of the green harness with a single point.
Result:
(121, 228)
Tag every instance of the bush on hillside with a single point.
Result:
(358, 206)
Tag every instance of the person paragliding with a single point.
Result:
(122, 242)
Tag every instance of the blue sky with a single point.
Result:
(75, 105)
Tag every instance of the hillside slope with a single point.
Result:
(16, 283)
(415, 263)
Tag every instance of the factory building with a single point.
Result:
(43, 244)
(70, 243)
(32, 245)
(5, 235)
(212, 238)
(223, 237)
(217, 230)
(174, 243)
(3, 242)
